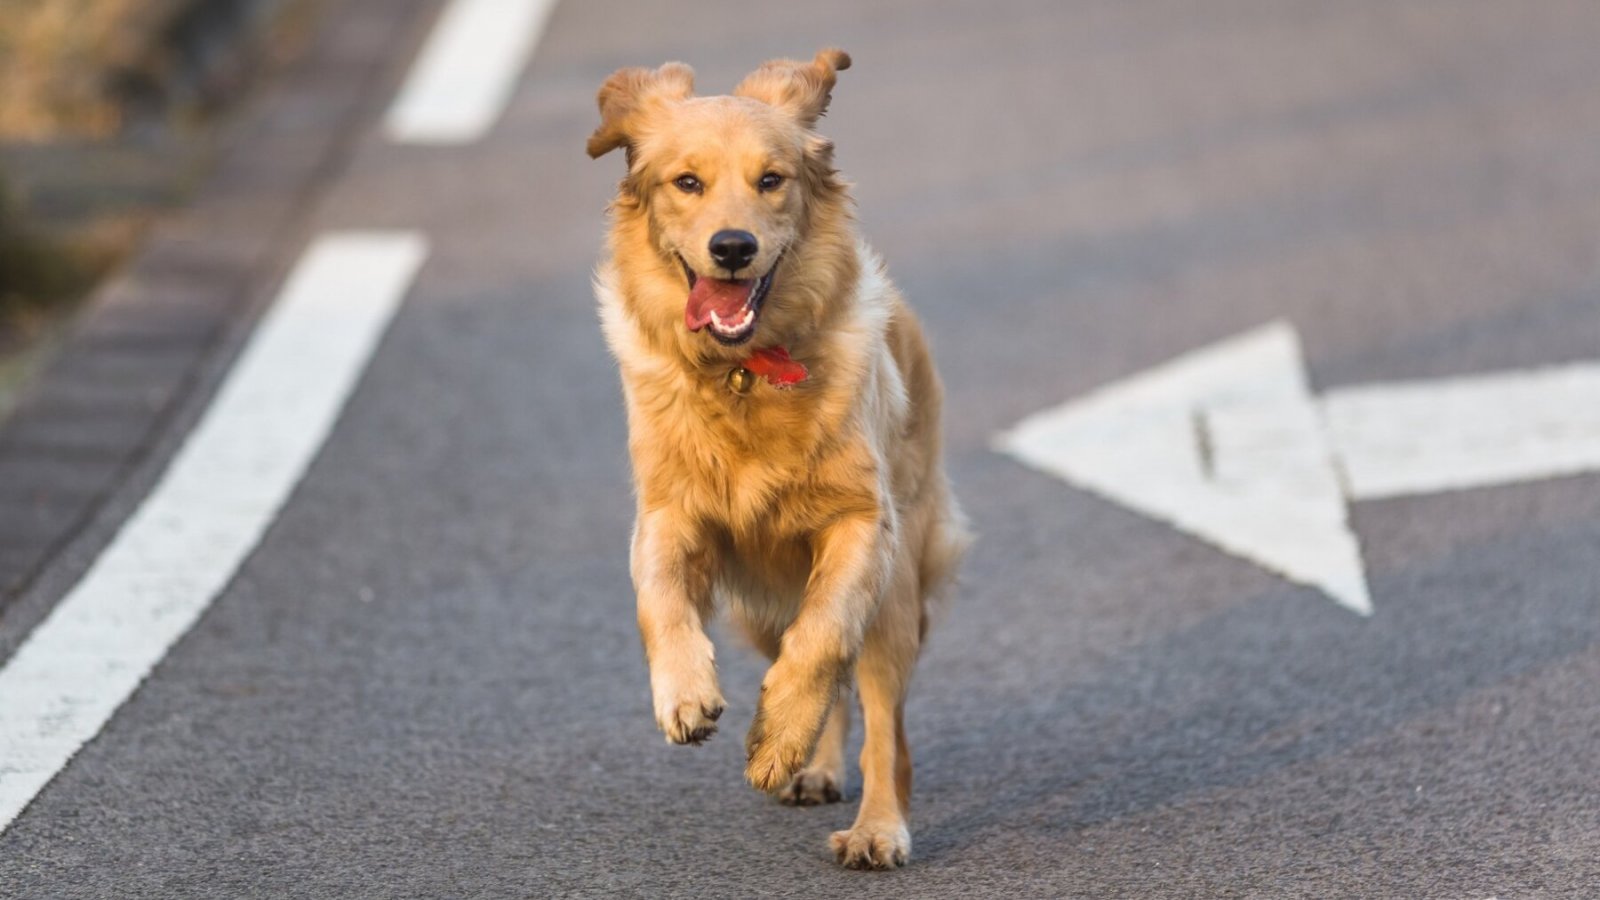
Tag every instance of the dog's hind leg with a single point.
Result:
(822, 780)
(879, 839)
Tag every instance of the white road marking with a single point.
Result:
(1223, 444)
(461, 81)
(1428, 436)
(1227, 444)
(205, 515)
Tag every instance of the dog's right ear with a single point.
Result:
(802, 89)
(629, 91)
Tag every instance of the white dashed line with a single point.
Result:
(211, 506)
(461, 81)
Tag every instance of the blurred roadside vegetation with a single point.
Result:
(60, 61)
(107, 115)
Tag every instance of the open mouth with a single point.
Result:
(727, 308)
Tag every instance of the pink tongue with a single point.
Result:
(725, 298)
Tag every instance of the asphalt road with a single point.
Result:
(425, 680)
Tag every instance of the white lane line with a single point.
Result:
(206, 514)
(461, 81)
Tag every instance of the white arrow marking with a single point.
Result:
(1227, 444)
(1224, 444)
(1428, 436)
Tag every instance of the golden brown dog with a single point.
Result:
(783, 417)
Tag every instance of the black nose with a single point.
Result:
(733, 250)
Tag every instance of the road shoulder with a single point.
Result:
(93, 428)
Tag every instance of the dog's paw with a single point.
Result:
(788, 721)
(772, 765)
(774, 754)
(811, 787)
(690, 718)
(872, 847)
(683, 684)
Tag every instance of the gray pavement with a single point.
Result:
(426, 680)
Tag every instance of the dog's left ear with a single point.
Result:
(626, 93)
(801, 88)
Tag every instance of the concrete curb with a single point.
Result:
(147, 337)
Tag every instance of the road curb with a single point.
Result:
(149, 336)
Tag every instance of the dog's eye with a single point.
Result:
(770, 181)
(688, 184)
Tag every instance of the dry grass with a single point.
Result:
(39, 272)
(60, 60)
(105, 119)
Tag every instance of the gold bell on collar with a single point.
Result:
(741, 380)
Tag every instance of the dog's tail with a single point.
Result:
(944, 545)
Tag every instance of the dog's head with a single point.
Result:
(726, 187)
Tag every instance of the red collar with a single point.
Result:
(775, 365)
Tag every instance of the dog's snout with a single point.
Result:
(733, 249)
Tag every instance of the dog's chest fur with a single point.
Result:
(772, 466)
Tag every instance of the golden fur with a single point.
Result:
(818, 515)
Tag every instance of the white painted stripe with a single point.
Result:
(461, 81)
(1452, 434)
(208, 511)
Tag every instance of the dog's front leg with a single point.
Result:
(851, 559)
(672, 573)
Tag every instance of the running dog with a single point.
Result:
(783, 418)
